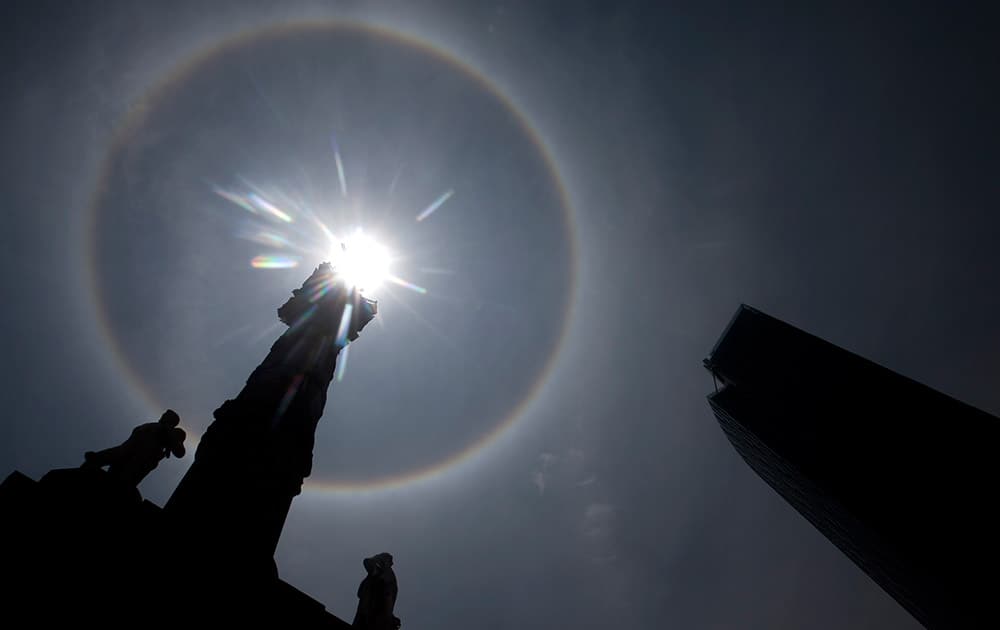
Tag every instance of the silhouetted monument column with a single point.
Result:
(81, 548)
(253, 458)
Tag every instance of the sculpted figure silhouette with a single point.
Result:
(377, 595)
(137, 456)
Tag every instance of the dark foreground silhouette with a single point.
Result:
(900, 477)
(377, 595)
(137, 456)
(81, 548)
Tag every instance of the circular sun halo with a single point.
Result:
(362, 261)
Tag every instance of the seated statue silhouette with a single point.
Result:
(377, 595)
(136, 457)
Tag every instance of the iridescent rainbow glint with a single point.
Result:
(274, 262)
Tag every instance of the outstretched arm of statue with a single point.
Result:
(102, 458)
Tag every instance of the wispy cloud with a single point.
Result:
(540, 477)
(540, 482)
(598, 520)
(586, 482)
(566, 469)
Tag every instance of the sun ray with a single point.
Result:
(342, 362)
(266, 238)
(448, 341)
(234, 198)
(395, 180)
(267, 332)
(232, 334)
(405, 284)
(473, 303)
(435, 205)
(340, 167)
(345, 325)
(286, 400)
(437, 270)
(264, 98)
(260, 202)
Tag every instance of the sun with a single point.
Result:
(361, 261)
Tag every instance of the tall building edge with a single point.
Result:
(897, 475)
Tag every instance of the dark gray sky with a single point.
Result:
(835, 167)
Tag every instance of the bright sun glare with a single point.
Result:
(362, 261)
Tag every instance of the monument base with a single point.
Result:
(80, 548)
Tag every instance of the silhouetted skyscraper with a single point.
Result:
(900, 477)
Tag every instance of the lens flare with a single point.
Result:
(340, 167)
(274, 262)
(435, 205)
(342, 363)
(266, 206)
(345, 325)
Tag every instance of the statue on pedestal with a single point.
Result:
(377, 595)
